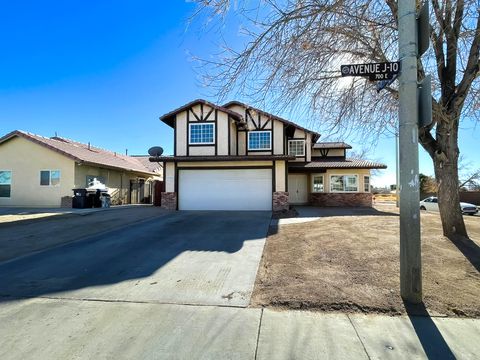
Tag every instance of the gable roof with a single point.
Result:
(316, 135)
(331, 145)
(83, 153)
(169, 117)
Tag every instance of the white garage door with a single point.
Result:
(241, 189)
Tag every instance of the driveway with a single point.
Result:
(207, 258)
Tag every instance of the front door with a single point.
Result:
(297, 189)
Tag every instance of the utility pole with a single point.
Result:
(410, 249)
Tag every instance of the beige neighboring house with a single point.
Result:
(41, 172)
(237, 157)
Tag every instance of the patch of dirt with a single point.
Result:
(351, 264)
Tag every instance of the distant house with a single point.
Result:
(237, 157)
(41, 172)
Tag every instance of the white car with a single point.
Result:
(431, 204)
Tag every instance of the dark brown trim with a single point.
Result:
(187, 140)
(272, 140)
(260, 150)
(266, 123)
(210, 113)
(216, 132)
(305, 148)
(195, 115)
(236, 144)
(229, 145)
(176, 184)
(175, 137)
(248, 115)
(221, 158)
(225, 167)
(200, 145)
(164, 170)
(274, 172)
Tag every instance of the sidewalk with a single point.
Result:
(65, 329)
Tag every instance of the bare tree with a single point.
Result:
(294, 50)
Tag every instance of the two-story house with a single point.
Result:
(236, 157)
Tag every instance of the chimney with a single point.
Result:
(89, 145)
(126, 152)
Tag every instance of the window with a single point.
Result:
(343, 183)
(318, 183)
(259, 140)
(366, 183)
(5, 183)
(202, 134)
(296, 147)
(50, 177)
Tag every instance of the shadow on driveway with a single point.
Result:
(188, 243)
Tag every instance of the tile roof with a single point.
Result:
(84, 153)
(316, 135)
(145, 160)
(338, 164)
(331, 145)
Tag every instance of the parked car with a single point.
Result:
(431, 204)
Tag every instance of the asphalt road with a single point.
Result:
(208, 258)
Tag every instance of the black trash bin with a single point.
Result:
(81, 200)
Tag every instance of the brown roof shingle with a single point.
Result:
(80, 152)
(338, 164)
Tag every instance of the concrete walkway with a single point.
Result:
(47, 328)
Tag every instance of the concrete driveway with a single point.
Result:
(207, 258)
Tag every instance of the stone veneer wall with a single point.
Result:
(341, 199)
(280, 201)
(169, 200)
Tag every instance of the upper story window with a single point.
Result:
(296, 147)
(343, 183)
(259, 140)
(50, 177)
(202, 133)
(5, 183)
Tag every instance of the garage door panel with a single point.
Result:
(240, 189)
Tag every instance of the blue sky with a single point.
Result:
(104, 71)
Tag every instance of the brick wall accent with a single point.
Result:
(66, 202)
(280, 201)
(169, 200)
(341, 199)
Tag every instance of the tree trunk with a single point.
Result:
(446, 174)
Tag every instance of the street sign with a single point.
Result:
(374, 71)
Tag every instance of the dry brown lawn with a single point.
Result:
(351, 263)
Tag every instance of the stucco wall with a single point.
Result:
(26, 159)
(169, 177)
(278, 138)
(181, 133)
(280, 181)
